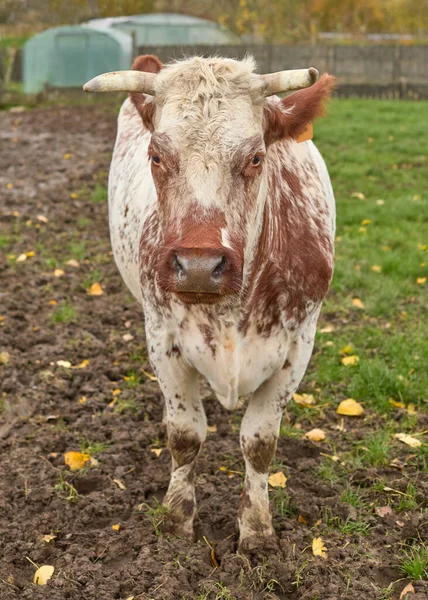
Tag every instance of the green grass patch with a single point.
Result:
(64, 314)
(99, 194)
(378, 162)
(414, 563)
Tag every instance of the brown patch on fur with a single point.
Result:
(260, 452)
(245, 502)
(144, 104)
(287, 364)
(184, 446)
(304, 106)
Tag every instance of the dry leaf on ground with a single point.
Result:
(382, 511)
(95, 290)
(277, 480)
(349, 361)
(43, 574)
(76, 460)
(64, 363)
(408, 439)
(316, 435)
(304, 399)
(116, 527)
(350, 408)
(156, 451)
(120, 484)
(318, 548)
(357, 303)
(59, 273)
(72, 263)
(409, 589)
(48, 538)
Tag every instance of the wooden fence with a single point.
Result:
(381, 71)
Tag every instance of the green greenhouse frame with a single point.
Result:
(67, 57)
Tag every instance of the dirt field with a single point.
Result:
(54, 165)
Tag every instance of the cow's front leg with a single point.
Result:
(186, 427)
(259, 434)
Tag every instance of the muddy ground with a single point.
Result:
(51, 161)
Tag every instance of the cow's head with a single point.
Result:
(212, 123)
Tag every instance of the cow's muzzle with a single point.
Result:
(199, 275)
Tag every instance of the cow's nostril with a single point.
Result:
(177, 265)
(220, 268)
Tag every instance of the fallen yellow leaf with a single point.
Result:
(9, 186)
(149, 375)
(156, 451)
(301, 519)
(116, 392)
(327, 329)
(120, 484)
(409, 589)
(48, 538)
(116, 527)
(76, 460)
(358, 195)
(82, 400)
(396, 404)
(73, 195)
(380, 202)
(366, 222)
(357, 303)
(67, 156)
(350, 408)
(21, 258)
(350, 360)
(347, 349)
(376, 268)
(82, 365)
(212, 428)
(42, 218)
(304, 399)
(64, 363)
(318, 548)
(72, 263)
(277, 480)
(411, 408)
(30, 253)
(316, 435)
(4, 358)
(408, 439)
(59, 272)
(422, 246)
(53, 302)
(95, 290)
(43, 574)
(419, 280)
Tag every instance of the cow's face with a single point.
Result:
(207, 155)
(210, 124)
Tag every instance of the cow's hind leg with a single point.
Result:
(259, 434)
(186, 427)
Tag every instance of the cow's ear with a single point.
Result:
(145, 104)
(289, 117)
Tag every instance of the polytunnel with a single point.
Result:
(67, 57)
(166, 29)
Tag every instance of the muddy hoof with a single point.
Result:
(256, 544)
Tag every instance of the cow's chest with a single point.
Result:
(235, 364)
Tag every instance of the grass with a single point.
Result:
(99, 194)
(414, 563)
(375, 152)
(65, 489)
(157, 515)
(64, 314)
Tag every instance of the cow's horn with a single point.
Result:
(286, 81)
(122, 81)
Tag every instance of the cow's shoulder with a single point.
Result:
(293, 264)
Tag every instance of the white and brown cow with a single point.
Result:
(222, 226)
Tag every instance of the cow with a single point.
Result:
(222, 227)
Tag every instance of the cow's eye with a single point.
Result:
(257, 160)
(156, 159)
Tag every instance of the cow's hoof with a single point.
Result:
(183, 529)
(259, 544)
